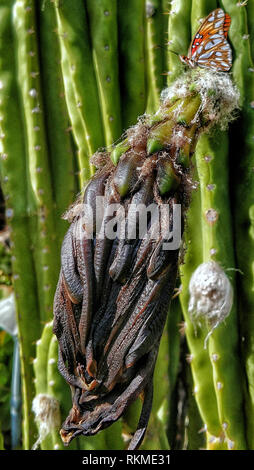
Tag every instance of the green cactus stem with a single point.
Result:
(76, 122)
(131, 40)
(57, 123)
(174, 353)
(195, 434)
(1, 441)
(179, 36)
(114, 437)
(198, 357)
(216, 241)
(154, 53)
(50, 386)
(14, 184)
(250, 12)
(40, 197)
(41, 382)
(200, 10)
(157, 428)
(243, 180)
(102, 16)
(82, 101)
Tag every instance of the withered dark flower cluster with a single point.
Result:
(113, 295)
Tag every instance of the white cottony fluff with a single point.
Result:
(220, 97)
(47, 415)
(211, 295)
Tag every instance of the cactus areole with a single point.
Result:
(117, 275)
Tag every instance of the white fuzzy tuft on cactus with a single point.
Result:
(220, 98)
(211, 296)
(47, 416)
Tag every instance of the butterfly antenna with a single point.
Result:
(159, 46)
(173, 52)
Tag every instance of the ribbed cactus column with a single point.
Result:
(180, 20)
(218, 273)
(1, 441)
(57, 123)
(154, 24)
(241, 156)
(179, 36)
(205, 160)
(102, 16)
(211, 237)
(40, 197)
(40, 370)
(131, 40)
(198, 357)
(156, 437)
(15, 186)
(76, 62)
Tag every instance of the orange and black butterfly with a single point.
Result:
(210, 48)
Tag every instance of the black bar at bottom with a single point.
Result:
(116, 459)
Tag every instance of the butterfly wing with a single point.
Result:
(226, 25)
(210, 48)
